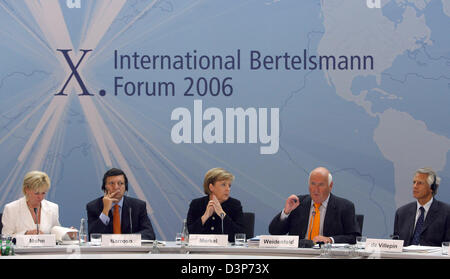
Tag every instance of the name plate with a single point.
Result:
(215, 240)
(39, 240)
(121, 240)
(278, 241)
(384, 245)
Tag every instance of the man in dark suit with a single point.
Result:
(319, 216)
(427, 220)
(117, 213)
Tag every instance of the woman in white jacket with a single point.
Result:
(31, 212)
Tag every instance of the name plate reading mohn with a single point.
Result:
(39, 240)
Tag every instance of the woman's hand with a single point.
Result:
(34, 232)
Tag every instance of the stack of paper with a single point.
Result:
(253, 242)
(421, 249)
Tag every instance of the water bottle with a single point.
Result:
(184, 234)
(7, 246)
(82, 234)
(2, 245)
(11, 246)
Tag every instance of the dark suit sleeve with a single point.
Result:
(350, 228)
(145, 225)
(95, 225)
(396, 228)
(447, 224)
(278, 226)
(234, 220)
(194, 221)
(291, 224)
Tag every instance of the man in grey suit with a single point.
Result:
(319, 216)
(427, 220)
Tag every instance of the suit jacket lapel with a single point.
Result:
(305, 206)
(412, 221)
(28, 221)
(45, 216)
(330, 217)
(431, 215)
(125, 218)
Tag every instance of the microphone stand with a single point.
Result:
(222, 215)
(131, 221)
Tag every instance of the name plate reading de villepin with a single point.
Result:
(384, 245)
(39, 240)
(121, 240)
(216, 240)
(278, 241)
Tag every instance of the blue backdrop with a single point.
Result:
(268, 89)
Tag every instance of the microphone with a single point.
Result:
(131, 220)
(312, 222)
(222, 215)
(37, 219)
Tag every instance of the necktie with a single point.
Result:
(314, 223)
(116, 220)
(419, 227)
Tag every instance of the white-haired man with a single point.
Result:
(319, 216)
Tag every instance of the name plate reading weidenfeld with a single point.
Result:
(215, 240)
(36, 240)
(278, 241)
(384, 245)
(121, 240)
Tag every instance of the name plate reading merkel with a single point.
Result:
(121, 240)
(215, 240)
(40, 240)
(384, 245)
(278, 241)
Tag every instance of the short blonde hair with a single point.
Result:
(214, 175)
(36, 181)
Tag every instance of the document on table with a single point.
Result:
(421, 249)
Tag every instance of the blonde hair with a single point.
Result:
(214, 175)
(36, 181)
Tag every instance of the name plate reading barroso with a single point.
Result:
(120, 240)
(384, 245)
(216, 240)
(278, 241)
(39, 240)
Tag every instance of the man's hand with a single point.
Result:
(108, 200)
(321, 238)
(291, 203)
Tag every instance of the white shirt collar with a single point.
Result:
(425, 206)
(324, 203)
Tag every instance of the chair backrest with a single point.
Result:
(249, 224)
(360, 220)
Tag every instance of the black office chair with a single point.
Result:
(249, 224)
(360, 220)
